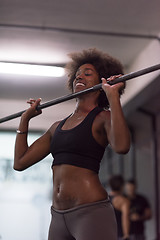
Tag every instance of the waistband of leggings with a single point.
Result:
(86, 205)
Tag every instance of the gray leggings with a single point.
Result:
(93, 221)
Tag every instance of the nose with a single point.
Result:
(79, 75)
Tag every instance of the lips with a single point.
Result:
(80, 84)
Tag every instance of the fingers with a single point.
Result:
(105, 82)
(113, 77)
(112, 90)
(110, 78)
(32, 110)
(33, 107)
(31, 101)
(34, 103)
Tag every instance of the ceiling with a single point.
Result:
(44, 32)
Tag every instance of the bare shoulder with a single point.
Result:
(105, 113)
(53, 127)
(121, 202)
(125, 202)
(103, 117)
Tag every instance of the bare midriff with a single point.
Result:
(74, 186)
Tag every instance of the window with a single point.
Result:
(25, 197)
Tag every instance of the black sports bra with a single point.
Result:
(77, 146)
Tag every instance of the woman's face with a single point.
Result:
(86, 77)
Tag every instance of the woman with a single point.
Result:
(80, 209)
(121, 206)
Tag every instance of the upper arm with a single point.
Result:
(107, 125)
(36, 151)
(125, 207)
(117, 131)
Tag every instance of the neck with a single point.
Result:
(84, 107)
(86, 103)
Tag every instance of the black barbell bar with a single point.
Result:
(122, 78)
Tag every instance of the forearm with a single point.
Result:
(145, 216)
(119, 132)
(21, 144)
(125, 226)
(26, 156)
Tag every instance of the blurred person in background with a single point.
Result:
(121, 206)
(140, 211)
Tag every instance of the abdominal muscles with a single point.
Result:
(73, 186)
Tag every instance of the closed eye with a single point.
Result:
(86, 72)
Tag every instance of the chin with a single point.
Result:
(78, 89)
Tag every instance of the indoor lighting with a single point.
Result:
(31, 69)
